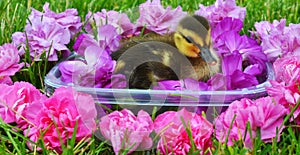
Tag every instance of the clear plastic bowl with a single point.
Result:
(136, 99)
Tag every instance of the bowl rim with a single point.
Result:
(48, 80)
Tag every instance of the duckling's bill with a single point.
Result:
(207, 56)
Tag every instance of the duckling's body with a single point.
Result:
(154, 57)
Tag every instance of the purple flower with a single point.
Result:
(44, 36)
(243, 61)
(116, 81)
(227, 39)
(227, 24)
(242, 57)
(94, 72)
(217, 82)
(120, 21)
(233, 76)
(264, 28)
(294, 33)
(48, 32)
(83, 41)
(277, 40)
(158, 19)
(251, 52)
(183, 84)
(107, 38)
(168, 85)
(67, 19)
(231, 63)
(221, 9)
(9, 62)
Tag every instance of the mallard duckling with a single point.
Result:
(186, 53)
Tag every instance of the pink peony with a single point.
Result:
(6, 80)
(15, 100)
(158, 19)
(288, 96)
(120, 21)
(262, 114)
(174, 138)
(57, 116)
(285, 90)
(287, 69)
(9, 62)
(221, 9)
(124, 127)
(67, 19)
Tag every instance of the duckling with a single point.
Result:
(185, 53)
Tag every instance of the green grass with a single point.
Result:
(13, 15)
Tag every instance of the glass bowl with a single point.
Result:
(137, 99)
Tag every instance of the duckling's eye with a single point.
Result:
(188, 39)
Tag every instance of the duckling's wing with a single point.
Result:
(148, 62)
(147, 74)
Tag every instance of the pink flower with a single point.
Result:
(9, 62)
(287, 69)
(262, 114)
(174, 138)
(221, 9)
(124, 127)
(286, 95)
(158, 19)
(67, 19)
(268, 116)
(15, 100)
(57, 116)
(45, 36)
(6, 80)
(120, 21)
(106, 38)
(285, 90)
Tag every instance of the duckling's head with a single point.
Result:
(193, 39)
